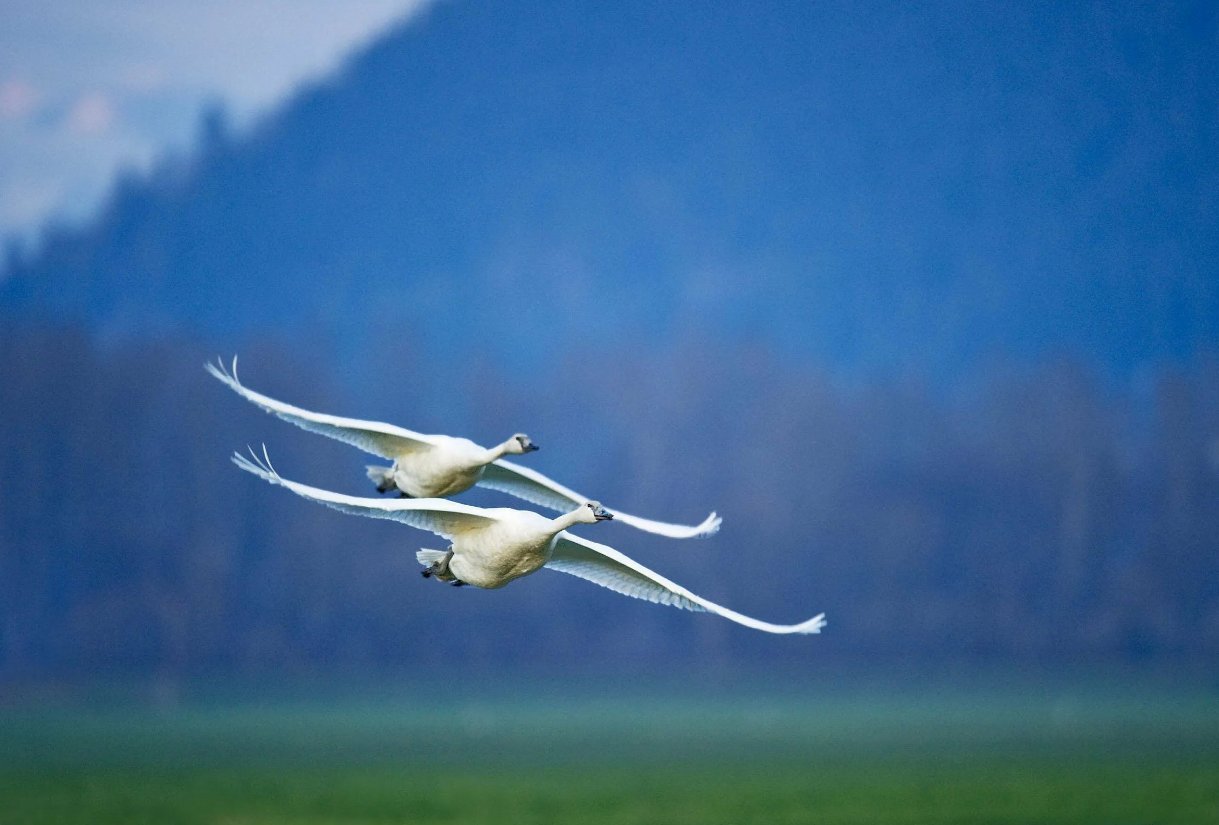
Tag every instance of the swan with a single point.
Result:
(492, 547)
(439, 466)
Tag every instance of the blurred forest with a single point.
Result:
(1040, 519)
(922, 300)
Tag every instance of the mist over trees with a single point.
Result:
(1042, 518)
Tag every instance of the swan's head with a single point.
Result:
(593, 512)
(521, 443)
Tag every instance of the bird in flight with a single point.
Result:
(491, 547)
(439, 466)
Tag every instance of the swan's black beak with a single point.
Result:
(603, 515)
(532, 448)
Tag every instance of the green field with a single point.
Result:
(996, 756)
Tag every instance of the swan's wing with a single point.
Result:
(384, 440)
(607, 567)
(536, 488)
(440, 516)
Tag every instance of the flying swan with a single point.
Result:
(439, 466)
(492, 547)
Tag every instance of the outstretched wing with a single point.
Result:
(374, 437)
(440, 516)
(607, 567)
(536, 488)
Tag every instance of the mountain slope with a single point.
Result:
(872, 187)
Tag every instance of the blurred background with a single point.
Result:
(924, 300)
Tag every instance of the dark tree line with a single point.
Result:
(1039, 516)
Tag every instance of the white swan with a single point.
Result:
(439, 466)
(491, 547)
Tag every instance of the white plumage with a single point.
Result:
(492, 547)
(438, 466)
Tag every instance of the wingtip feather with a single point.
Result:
(259, 466)
(223, 373)
(813, 625)
(710, 526)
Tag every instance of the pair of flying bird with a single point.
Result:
(489, 546)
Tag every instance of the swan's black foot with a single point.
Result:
(383, 488)
(404, 495)
(458, 583)
(440, 568)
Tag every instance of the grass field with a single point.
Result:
(995, 756)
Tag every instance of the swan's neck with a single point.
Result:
(498, 451)
(566, 520)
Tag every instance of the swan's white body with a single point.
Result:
(512, 544)
(492, 547)
(440, 466)
(445, 468)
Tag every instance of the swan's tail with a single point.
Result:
(383, 477)
(429, 557)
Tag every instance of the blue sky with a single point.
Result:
(87, 88)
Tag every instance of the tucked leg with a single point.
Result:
(383, 477)
(440, 568)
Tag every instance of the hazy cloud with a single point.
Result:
(17, 99)
(91, 114)
(88, 87)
